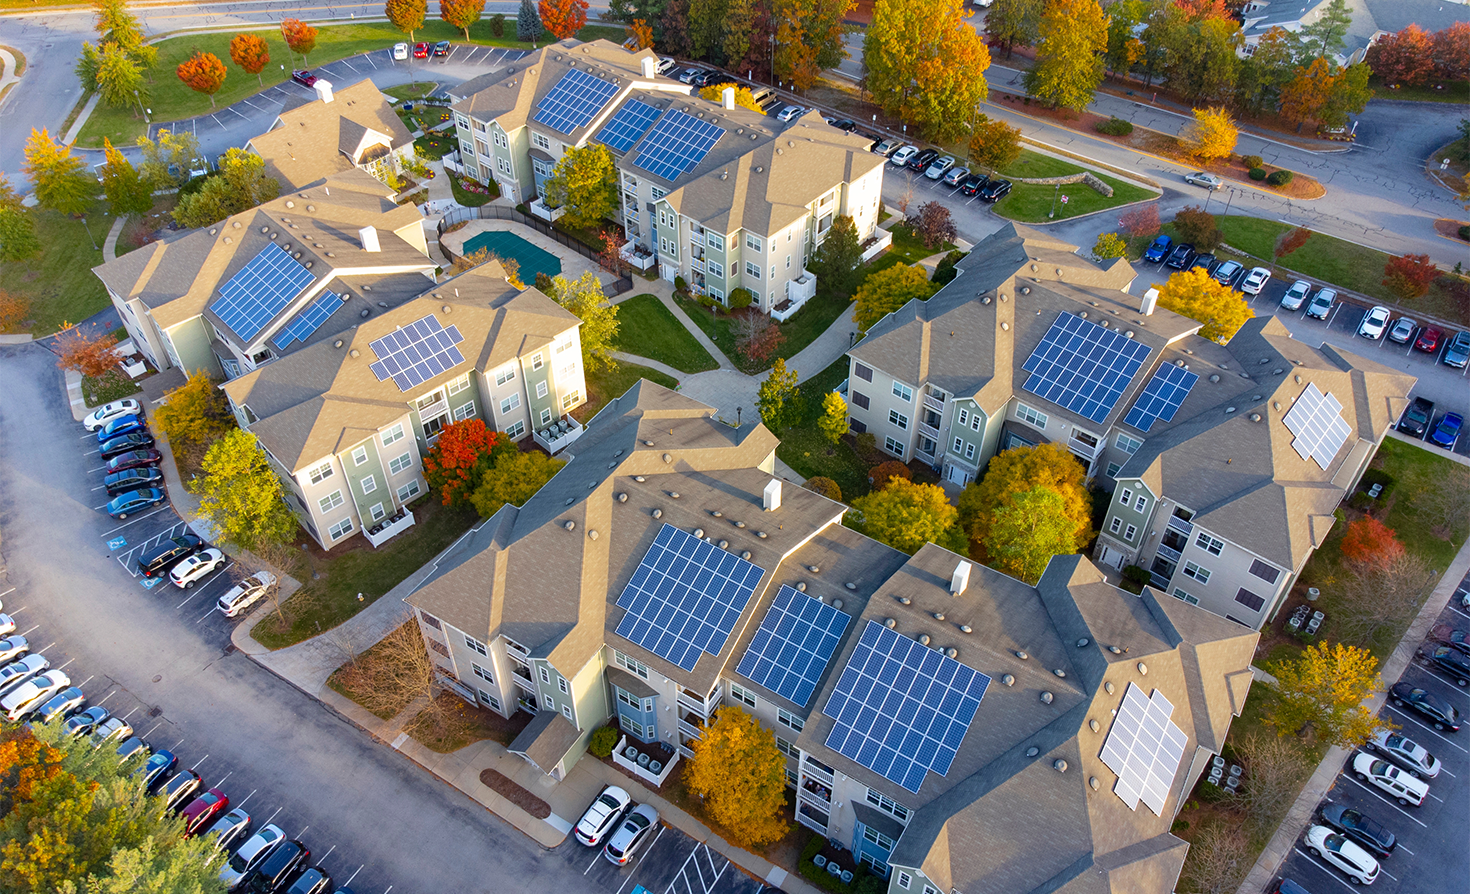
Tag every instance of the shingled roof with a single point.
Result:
(319, 138)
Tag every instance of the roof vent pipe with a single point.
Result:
(650, 67)
(771, 499)
(960, 580)
(727, 98)
(1149, 302)
(369, 238)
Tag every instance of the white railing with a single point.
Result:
(798, 292)
(642, 260)
(559, 435)
(885, 239)
(545, 212)
(391, 527)
(638, 767)
(934, 403)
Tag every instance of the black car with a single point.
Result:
(1454, 663)
(132, 479)
(995, 190)
(158, 561)
(133, 459)
(921, 159)
(846, 124)
(1432, 708)
(1181, 256)
(1416, 418)
(973, 184)
(1449, 636)
(441, 48)
(312, 881)
(1205, 262)
(1361, 828)
(135, 441)
(719, 79)
(280, 868)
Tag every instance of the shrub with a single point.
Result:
(1115, 127)
(824, 486)
(1258, 173)
(1278, 178)
(1252, 161)
(1135, 577)
(1465, 233)
(884, 472)
(944, 271)
(1378, 476)
(1362, 502)
(497, 24)
(741, 298)
(603, 741)
(680, 284)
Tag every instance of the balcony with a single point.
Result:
(559, 435)
(522, 674)
(689, 727)
(697, 264)
(810, 788)
(928, 431)
(1178, 524)
(1168, 552)
(812, 817)
(440, 407)
(700, 709)
(934, 403)
(1087, 447)
(545, 212)
(637, 255)
(819, 772)
(389, 528)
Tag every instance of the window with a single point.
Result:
(476, 645)
(463, 382)
(929, 889)
(752, 242)
(464, 412)
(1140, 503)
(377, 512)
(1031, 417)
(1126, 444)
(431, 620)
(540, 140)
(790, 778)
(860, 399)
(1200, 574)
(428, 400)
(359, 455)
(500, 139)
(857, 425)
(340, 529)
(536, 361)
(1264, 572)
(331, 501)
(490, 701)
(786, 747)
(503, 375)
(482, 673)
(566, 711)
(975, 421)
(408, 491)
(717, 294)
(888, 805)
(893, 446)
(862, 372)
(541, 389)
(1125, 497)
(1249, 600)
(904, 880)
(745, 696)
(439, 647)
(1180, 594)
(399, 464)
(873, 836)
(369, 484)
(628, 700)
(789, 720)
(517, 429)
(959, 445)
(658, 192)
(321, 473)
(545, 676)
(898, 419)
(969, 451)
(1129, 532)
(964, 418)
(561, 683)
(752, 269)
(571, 399)
(788, 262)
(504, 167)
(1117, 525)
(1209, 544)
(630, 664)
(773, 271)
(1113, 469)
(510, 403)
(393, 435)
(903, 392)
(714, 241)
(716, 269)
(545, 415)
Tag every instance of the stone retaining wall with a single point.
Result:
(1086, 177)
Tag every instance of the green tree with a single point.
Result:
(115, 24)
(777, 399)
(126, 190)
(836, 260)
(1013, 23)
(1261, 76)
(1326, 36)
(995, 145)
(1021, 469)
(707, 29)
(17, 231)
(925, 64)
(599, 329)
(1349, 95)
(1124, 47)
(885, 291)
(167, 161)
(906, 515)
(1196, 294)
(809, 38)
(585, 183)
(61, 180)
(195, 413)
(241, 495)
(1166, 24)
(407, 15)
(1109, 246)
(1073, 35)
(119, 78)
(528, 21)
(513, 478)
(741, 777)
(1203, 59)
(1027, 531)
(833, 421)
(739, 22)
(1324, 688)
(242, 184)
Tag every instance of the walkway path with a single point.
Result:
(7, 71)
(109, 245)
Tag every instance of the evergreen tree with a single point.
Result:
(528, 22)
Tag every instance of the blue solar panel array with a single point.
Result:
(1083, 367)
(902, 709)
(416, 353)
(1162, 397)
(627, 126)
(677, 143)
(685, 597)
(259, 291)
(791, 649)
(574, 101)
(308, 321)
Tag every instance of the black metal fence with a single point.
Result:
(499, 212)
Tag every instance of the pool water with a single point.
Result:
(533, 260)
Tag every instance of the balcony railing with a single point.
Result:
(701, 709)
(637, 255)
(689, 729)
(1181, 525)
(816, 771)
(810, 788)
(437, 408)
(1169, 552)
(520, 672)
(927, 429)
(1085, 450)
(559, 435)
(934, 403)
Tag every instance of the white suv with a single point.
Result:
(108, 412)
(250, 855)
(1397, 784)
(1343, 854)
(31, 694)
(190, 571)
(246, 593)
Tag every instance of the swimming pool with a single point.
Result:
(533, 260)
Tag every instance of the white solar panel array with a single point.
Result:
(1144, 748)
(1316, 420)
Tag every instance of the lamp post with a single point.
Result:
(1229, 200)
(89, 234)
(139, 98)
(1056, 190)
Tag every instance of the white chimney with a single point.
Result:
(369, 238)
(1149, 302)
(961, 579)
(772, 498)
(650, 66)
(323, 89)
(727, 98)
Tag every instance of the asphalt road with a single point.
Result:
(668, 863)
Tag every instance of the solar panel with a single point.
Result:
(685, 597)
(574, 101)
(627, 126)
(262, 289)
(416, 353)
(1316, 420)
(1162, 397)
(1082, 366)
(901, 708)
(1144, 748)
(309, 320)
(791, 648)
(677, 143)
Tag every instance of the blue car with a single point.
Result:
(1447, 430)
(122, 425)
(158, 766)
(1159, 249)
(135, 501)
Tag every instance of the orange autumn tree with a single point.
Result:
(203, 73)
(457, 461)
(642, 32)
(91, 355)
(299, 36)
(1369, 543)
(461, 13)
(250, 52)
(564, 18)
(1409, 276)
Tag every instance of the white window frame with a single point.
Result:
(536, 361)
(959, 445)
(476, 646)
(540, 141)
(490, 701)
(505, 374)
(516, 429)
(1197, 572)
(464, 411)
(744, 696)
(904, 880)
(510, 403)
(1125, 497)
(753, 242)
(400, 464)
(377, 512)
(570, 399)
(1113, 470)
(340, 529)
(888, 805)
(630, 664)
(1032, 417)
(894, 446)
(752, 269)
(393, 435)
(969, 451)
(359, 455)
(369, 484)
(459, 384)
(320, 473)
(545, 416)
(1127, 444)
(1130, 532)
(1116, 526)
(963, 418)
(409, 491)
(545, 675)
(714, 240)
(903, 392)
(561, 683)
(898, 420)
(541, 388)
(1180, 594)
(1212, 545)
(789, 720)
(1140, 503)
(330, 501)
(716, 269)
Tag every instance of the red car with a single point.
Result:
(134, 459)
(1429, 340)
(203, 810)
(420, 51)
(304, 77)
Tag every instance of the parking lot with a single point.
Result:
(1431, 850)
(671, 863)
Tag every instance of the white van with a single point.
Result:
(1392, 781)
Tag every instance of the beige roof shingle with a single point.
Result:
(318, 139)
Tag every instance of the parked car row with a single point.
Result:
(943, 168)
(614, 818)
(132, 477)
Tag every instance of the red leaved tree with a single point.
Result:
(299, 36)
(1370, 544)
(91, 355)
(1452, 51)
(250, 52)
(564, 18)
(1403, 58)
(1141, 221)
(883, 473)
(1409, 276)
(757, 335)
(461, 455)
(1290, 241)
(203, 73)
(611, 255)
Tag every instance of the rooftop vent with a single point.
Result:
(639, 478)
(724, 544)
(1047, 698)
(570, 525)
(1083, 643)
(939, 616)
(1092, 783)
(801, 586)
(740, 524)
(923, 639)
(1108, 688)
(1008, 679)
(890, 623)
(591, 534)
(622, 498)
(1022, 655)
(369, 238)
(699, 533)
(745, 555)
(837, 604)
(771, 497)
(675, 495)
(1143, 668)
(814, 569)
(1059, 672)
(966, 628)
(658, 513)
(650, 66)
(1115, 650)
(727, 98)
(952, 652)
(352, 353)
(850, 585)
(1149, 302)
(1094, 725)
(904, 600)
(337, 343)
(960, 579)
(761, 534)
(1059, 765)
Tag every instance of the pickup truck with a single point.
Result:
(1416, 417)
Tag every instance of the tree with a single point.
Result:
(1381, 595)
(1325, 36)
(1167, 29)
(513, 478)
(1443, 506)
(885, 472)
(906, 515)
(757, 336)
(251, 53)
(241, 185)
(15, 309)
(836, 260)
(460, 13)
(1073, 35)
(1013, 23)
(585, 183)
(1261, 76)
(1219, 858)
(743, 97)
(203, 73)
(460, 457)
(832, 424)
(1349, 95)
(17, 231)
(408, 15)
(241, 495)
(642, 33)
(195, 413)
(391, 675)
(1197, 295)
(564, 18)
(1211, 135)
(1290, 241)
(61, 180)
(777, 399)
(1202, 60)
(1017, 471)
(1452, 52)
(885, 291)
(741, 777)
(1406, 57)
(599, 330)
(115, 24)
(1274, 770)
(1197, 227)
(1124, 47)
(1141, 220)
(824, 486)
(126, 190)
(808, 36)
(1305, 96)
(1368, 542)
(118, 77)
(92, 355)
(1324, 688)
(674, 24)
(166, 162)
(1027, 531)
(1409, 276)
(528, 22)
(1108, 246)
(995, 144)
(932, 222)
(739, 20)
(299, 36)
(926, 64)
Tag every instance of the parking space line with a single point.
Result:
(8, 592)
(596, 855)
(85, 682)
(1404, 849)
(369, 58)
(106, 697)
(1440, 677)
(241, 802)
(201, 760)
(1327, 869)
(302, 833)
(272, 816)
(136, 520)
(33, 629)
(64, 666)
(323, 858)
(1384, 798)
(1426, 728)
(660, 834)
(222, 779)
(151, 729)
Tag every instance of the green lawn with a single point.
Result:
(1034, 164)
(1454, 91)
(59, 282)
(1030, 202)
(909, 248)
(604, 386)
(804, 449)
(648, 329)
(816, 317)
(412, 91)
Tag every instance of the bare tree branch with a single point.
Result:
(1381, 597)
(1218, 861)
(1275, 773)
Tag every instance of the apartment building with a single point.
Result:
(346, 421)
(351, 128)
(945, 722)
(1032, 343)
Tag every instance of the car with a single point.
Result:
(203, 810)
(955, 176)
(228, 829)
(1405, 752)
(12, 647)
(441, 48)
(704, 79)
(1375, 322)
(108, 412)
(1390, 780)
(135, 501)
(7, 625)
(974, 183)
(133, 459)
(1158, 249)
(1452, 662)
(279, 867)
(689, 74)
(1357, 825)
(887, 146)
(900, 158)
(1343, 853)
(246, 593)
(1295, 295)
(132, 747)
(1457, 352)
(995, 190)
(1205, 262)
(1321, 304)
(921, 161)
(304, 77)
(1449, 636)
(936, 168)
(122, 425)
(1180, 257)
(1200, 178)
(109, 729)
(420, 50)
(126, 444)
(789, 113)
(400, 52)
(1255, 280)
(847, 125)
(1447, 431)
(31, 694)
(1415, 420)
(602, 816)
(631, 834)
(162, 558)
(1286, 886)
(1228, 273)
(153, 773)
(62, 704)
(1402, 330)
(180, 790)
(250, 855)
(666, 64)
(83, 723)
(196, 567)
(1438, 712)
(1428, 340)
(312, 881)
(17, 672)
(132, 479)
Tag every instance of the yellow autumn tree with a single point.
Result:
(1211, 135)
(1324, 688)
(743, 97)
(1196, 294)
(742, 778)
